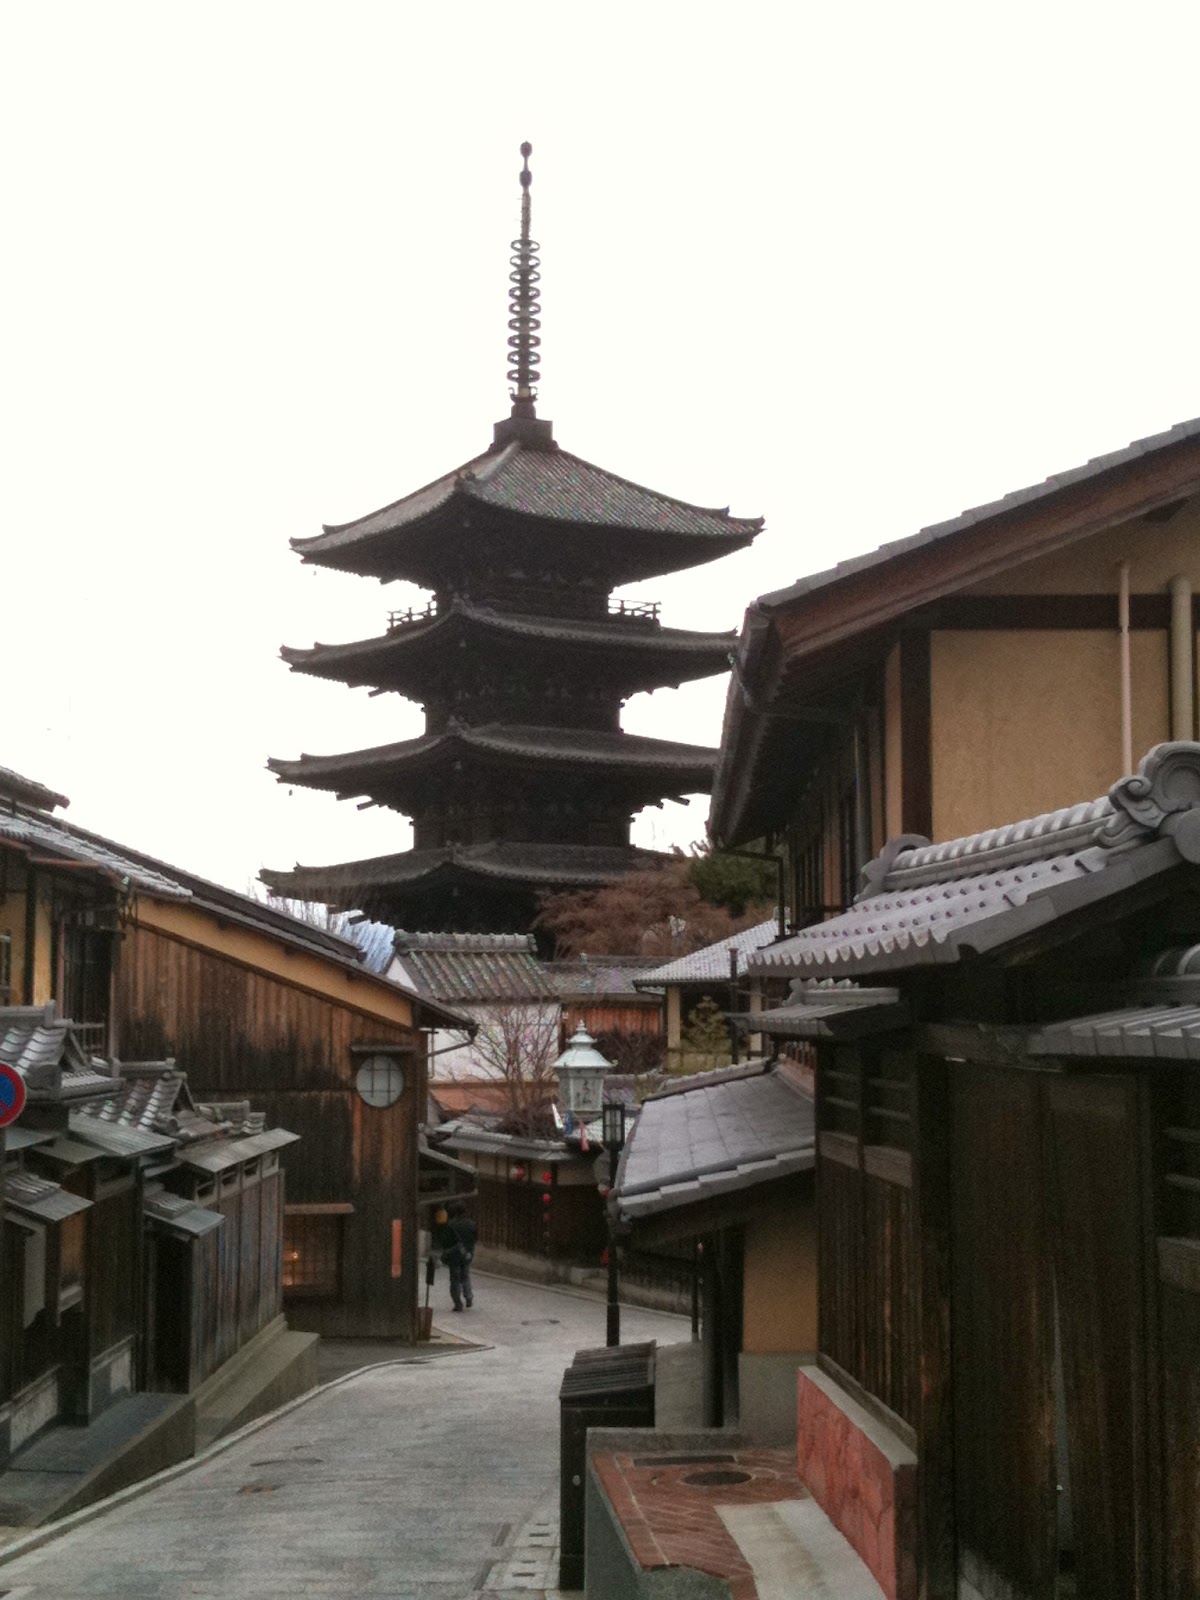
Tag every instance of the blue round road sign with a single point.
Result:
(12, 1094)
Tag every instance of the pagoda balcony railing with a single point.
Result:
(640, 610)
(401, 619)
(631, 610)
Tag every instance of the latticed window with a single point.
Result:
(312, 1257)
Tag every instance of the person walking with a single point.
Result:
(457, 1244)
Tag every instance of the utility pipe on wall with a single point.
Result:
(1126, 686)
(1182, 717)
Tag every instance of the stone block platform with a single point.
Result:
(709, 1519)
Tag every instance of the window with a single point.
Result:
(312, 1257)
(380, 1080)
(5, 969)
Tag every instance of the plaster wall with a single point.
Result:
(12, 921)
(779, 1307)
(1156, 552)
(893, 823)
(1026, 721)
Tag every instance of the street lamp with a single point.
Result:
(614, 1143)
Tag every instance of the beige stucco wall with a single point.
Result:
(1027, 721)
(1156, 552)
(780, 1281)
(893, 820)
(12, 920)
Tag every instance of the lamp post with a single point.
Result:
(614, 1142)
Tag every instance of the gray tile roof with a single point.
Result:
(47, 1053)
(1160, 1032)
(38, 1197)
(605, 977)
(175, 1211)
(1179, 434)
(826, 1009)
(470, 966)
(714, 1134)
(52, 835)
(357, 770)
(550, 485)
(934, 903)
(27, 791)
(711, 964)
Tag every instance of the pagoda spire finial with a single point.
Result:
(523, 298)
(523, 425)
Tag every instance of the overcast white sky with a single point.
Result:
(850, 267)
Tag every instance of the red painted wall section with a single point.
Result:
(862, 1477)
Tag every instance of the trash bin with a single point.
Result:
(612, 1387)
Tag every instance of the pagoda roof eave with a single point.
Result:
(539, 866)
(683, 653)
(619, 755)
(547, 488)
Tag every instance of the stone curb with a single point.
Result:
(55, 1530)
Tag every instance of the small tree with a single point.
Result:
(517, 1045)
(706, 1032)
(632, 1053)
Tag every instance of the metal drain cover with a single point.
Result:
(716, 1480)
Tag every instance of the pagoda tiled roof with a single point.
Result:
(541, 485)
(621, 752)
(636, 641)
(544, 866)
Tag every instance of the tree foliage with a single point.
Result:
(735, 882)
(632, 1053)
(652, 911)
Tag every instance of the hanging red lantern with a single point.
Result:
(518, 1174)
(547, 1178)
(546, 1197)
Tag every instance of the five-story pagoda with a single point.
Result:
(523, 780)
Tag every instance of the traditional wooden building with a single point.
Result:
(1004, 1401)
(724, 1161)
(980, 668)
(523, 780)
(257, 1006)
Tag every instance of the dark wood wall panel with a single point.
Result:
(891, 1359)
(241, 1034)
(1002, 1339)
(839, 1267)
(1099, 1232)
(1179, 1320)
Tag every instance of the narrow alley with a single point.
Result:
(404, 1480)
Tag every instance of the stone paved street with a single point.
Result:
(428, 1478)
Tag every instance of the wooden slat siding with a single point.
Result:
(916, 736)
(616, 1019)
(1098, 1228)
(935, 1411)
(249, 1263)
(1002, 1338)
(270, 1248)
(839, 1264)
(889, 1364)
(245, 1035)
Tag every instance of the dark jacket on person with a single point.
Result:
(457, 1239)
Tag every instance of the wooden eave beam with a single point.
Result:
(814, 622)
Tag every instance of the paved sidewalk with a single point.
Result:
(425, 1479)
